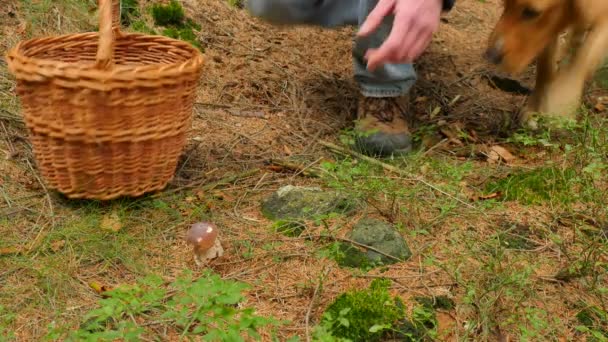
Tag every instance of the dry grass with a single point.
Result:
(271, 93)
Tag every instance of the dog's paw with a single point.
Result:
(561, 99)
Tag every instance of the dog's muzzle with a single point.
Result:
(495, 53)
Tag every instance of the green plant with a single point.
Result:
(236, 3)
(207, 307)
(184, 33)
(537, 186)
(364, 315)
(129, 12)
(5, 319)
(594, 322)
(171, 14)
(290, 228)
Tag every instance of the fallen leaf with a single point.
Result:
(200, 195)
(493, 157)
(189, 199)
(275, 168)
(435, 111)
(99, 288)
(287, 150)
(453, 133)
(503, 153)
(4, 251)
(600, 107)
(111, 222)
(57, 245)
(486, 197)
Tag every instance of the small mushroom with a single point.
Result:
(203, 236)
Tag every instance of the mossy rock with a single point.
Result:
(293, 203)
(378, 235)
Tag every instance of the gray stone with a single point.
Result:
(378, 235)
(293, 202)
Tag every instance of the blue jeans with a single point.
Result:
(390, 80)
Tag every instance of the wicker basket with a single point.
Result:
(107, 112)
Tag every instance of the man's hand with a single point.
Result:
(413, 27)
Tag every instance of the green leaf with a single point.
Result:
(378, 327)
(344, 322)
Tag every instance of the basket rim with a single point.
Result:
(30, 68)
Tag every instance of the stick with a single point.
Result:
(364, 246)
(297, 168)
(48, 195)
(390, 168)
(210, 186)
(312, 301)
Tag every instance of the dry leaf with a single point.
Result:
(486, 197)
(503, 153)
(493, 157)
(435, 111)
(111, 222)
(600, 107)
(99, 288)
(10, 250)
(452, 132)
(287, 150)
(57, 245)
(222, 196)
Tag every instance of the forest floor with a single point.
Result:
(510, 225)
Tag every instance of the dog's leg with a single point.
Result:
(546, 68)
(563, 95)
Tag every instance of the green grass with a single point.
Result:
(543, 185)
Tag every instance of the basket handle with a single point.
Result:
(105, 49)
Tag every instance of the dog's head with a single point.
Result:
(524, 30)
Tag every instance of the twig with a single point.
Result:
(391, 168)
(359, 245)
(12, 151)
(420, 275)
(306, 169)
(313, 299)
(297, 168)
(48, 195)
(210, 186)
(247, 113)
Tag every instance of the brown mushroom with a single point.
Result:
(203, 236)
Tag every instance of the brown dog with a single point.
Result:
(530, 30)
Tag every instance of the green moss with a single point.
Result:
(548, 184)
(142, 27)
(365, 315)
(129, 12)
(171, 14)
(185, 34)
(594, 321)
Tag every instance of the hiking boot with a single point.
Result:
(381, 128)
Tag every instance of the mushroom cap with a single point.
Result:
(202, 235)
